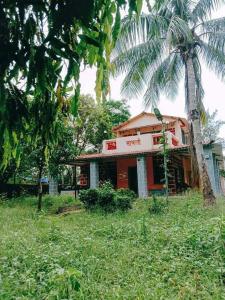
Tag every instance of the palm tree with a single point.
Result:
(168, 44)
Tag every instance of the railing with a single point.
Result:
(141, 142)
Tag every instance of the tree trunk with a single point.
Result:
(194, 117)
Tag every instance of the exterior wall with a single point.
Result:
(140, 142)
(122, 171)
(150, 176)
(129, 144)
(178, 131)
(145, 120)
(187, 170)
(211, 166)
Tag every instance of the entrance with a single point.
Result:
(132, 179)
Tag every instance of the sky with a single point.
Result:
(214, 92)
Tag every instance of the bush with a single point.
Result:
(128, 193)
(107, 199)
(89, 198)
(123, 202)
(157, 206)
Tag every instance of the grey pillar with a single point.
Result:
(94, 174)
(142, 177)
(217, 175)
(53, 186)
(210, 166)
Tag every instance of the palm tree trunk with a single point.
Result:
(194, 117)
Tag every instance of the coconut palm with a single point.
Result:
(160, 48)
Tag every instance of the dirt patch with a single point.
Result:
(69, 209)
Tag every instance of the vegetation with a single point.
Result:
(107, 199)
(160, 48)
(165, 151)
(137, 255)
(211, 130)
(44, 45)
(86, 132)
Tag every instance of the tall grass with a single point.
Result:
(175, 255)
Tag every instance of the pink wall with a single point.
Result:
(122, 172)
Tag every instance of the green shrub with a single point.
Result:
(89, 198)
(128, 193)
(123, 202)
(157, 206)
(107, 199)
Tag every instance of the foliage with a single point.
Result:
(165, 151)
(177, 255)
(153, 50)
(222, 173)
(89, 198)
(118, 111)
(157, 205)
(210, 131)
(159, 49)
(122, 202)
(105, 198)
(94, 122)
(86, 132)
(126, 192)
(40, 38)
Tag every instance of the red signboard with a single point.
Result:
(172, 130)
(111, 145)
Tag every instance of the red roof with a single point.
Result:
(88, 157)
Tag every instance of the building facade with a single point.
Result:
(133, 159)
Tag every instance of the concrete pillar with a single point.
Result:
(53, 186)
(210, 166)
(217, 175)
(142, 177)
(94, 174)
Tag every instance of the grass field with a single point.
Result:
(175, 255)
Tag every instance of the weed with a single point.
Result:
(176, 255)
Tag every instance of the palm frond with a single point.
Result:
(213, 25)
(148, 52)
(217, 40)
(178, 30)
(136, 31)
(165, 80)
(204, 8)
(134, 82)
(214, 58)
(182, 8)
(213, 33)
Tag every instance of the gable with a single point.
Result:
(146, 119)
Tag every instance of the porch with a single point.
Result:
(141, 172)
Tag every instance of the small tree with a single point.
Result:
(165, 151)
(211, 129)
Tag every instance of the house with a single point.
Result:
(133, 158)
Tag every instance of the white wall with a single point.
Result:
(141, 142)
